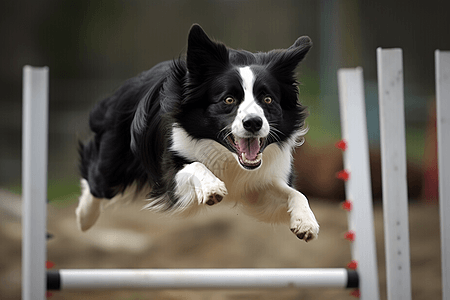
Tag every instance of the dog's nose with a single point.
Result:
(252, 123)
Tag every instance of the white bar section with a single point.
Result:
(358, 187)
(201, 278)
(394, 176)
(443, 131)
(34, 181)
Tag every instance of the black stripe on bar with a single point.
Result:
(352, 279)
(53, 280)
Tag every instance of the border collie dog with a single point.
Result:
(218, 126)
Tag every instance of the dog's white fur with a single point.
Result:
(262, 193)
(248, 106)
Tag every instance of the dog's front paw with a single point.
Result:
(212, 191)
(196, 181)
(306, 229)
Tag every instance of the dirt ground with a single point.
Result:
(126, 237)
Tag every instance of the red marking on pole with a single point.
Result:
(356, 293)
(343, 175)
(49, 264)
(347, 205)
(350, 236)
(342, 144)
(353, 265)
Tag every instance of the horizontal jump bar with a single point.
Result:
(76, 279)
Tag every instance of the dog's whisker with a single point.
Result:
(221, 133)
(274, 135)
(273, 127)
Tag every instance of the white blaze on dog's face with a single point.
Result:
(250, 127)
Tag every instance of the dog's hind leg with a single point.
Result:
(88, 209)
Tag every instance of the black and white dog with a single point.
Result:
(220, 125)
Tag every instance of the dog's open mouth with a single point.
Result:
(248, 151)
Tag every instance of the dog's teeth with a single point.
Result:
(244, 159)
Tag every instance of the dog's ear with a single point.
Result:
(296, 53)
(204, 56)
(303, 41)
(284, 62)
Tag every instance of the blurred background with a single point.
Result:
(91, 47)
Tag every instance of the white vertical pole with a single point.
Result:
(34, 181)
(358, 187)
(394, 179)
(443, 133)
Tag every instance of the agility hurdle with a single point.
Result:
(36, 280)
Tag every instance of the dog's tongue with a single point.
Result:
(250, 147)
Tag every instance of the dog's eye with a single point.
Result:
(267, 100)
(229, 100)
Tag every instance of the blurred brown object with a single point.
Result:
(316, 169)
(430, 160)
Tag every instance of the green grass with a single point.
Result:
(59, 192)
(415, 143)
